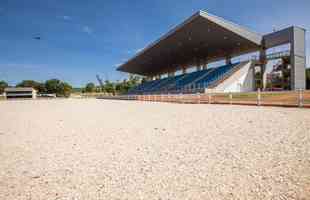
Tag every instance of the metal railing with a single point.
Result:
(273, 56)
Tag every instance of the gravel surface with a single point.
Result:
(99, 149)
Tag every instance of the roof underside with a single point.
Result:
(202, 36)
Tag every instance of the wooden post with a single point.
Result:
(230, 98)
(209, 98)
(300, 98)
(258, 97)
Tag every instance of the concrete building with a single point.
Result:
(205, 38)
(27, 92)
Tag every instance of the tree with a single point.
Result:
(109, 87)
(134, 80)
(33, 84)
(3, 85)
(64, 89)
(52, 86)
(308, 78)
(55, 86)
(90, 87)
(123, 86)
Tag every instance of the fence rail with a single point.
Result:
(298, 98)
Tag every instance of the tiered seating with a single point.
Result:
(170, 81)
(199, 79)
(214, 76)
(189, 78)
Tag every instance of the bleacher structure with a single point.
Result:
(195, 81)
(205, 38)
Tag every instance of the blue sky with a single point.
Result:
(83, 38)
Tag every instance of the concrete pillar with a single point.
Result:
(263, 64)
(34, 94)
(198, 65)
(298, 58)
(205, 64)
(228, 60)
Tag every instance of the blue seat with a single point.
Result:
(215, 75)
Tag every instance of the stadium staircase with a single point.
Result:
(226, 75)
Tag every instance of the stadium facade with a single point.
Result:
(205, 38)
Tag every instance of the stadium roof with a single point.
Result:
(202, 36)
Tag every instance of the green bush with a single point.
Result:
(60, 88)
(33, 84)
(52, 86)
(90, 87)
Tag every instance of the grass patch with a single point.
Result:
(306, 101)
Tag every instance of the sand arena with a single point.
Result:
(104, 149)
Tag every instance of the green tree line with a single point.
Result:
(52, 86)
(118, 87)
(63, 89)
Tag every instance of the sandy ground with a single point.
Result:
(99, 149)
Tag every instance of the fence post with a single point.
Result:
(230, 98)
(209, 98)
(300, 98)
(258, 97)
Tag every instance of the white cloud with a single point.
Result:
(87, 29)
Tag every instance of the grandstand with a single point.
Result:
(205, 38)
(198, 81)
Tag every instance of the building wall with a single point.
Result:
(20, 94)
(296, 37)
